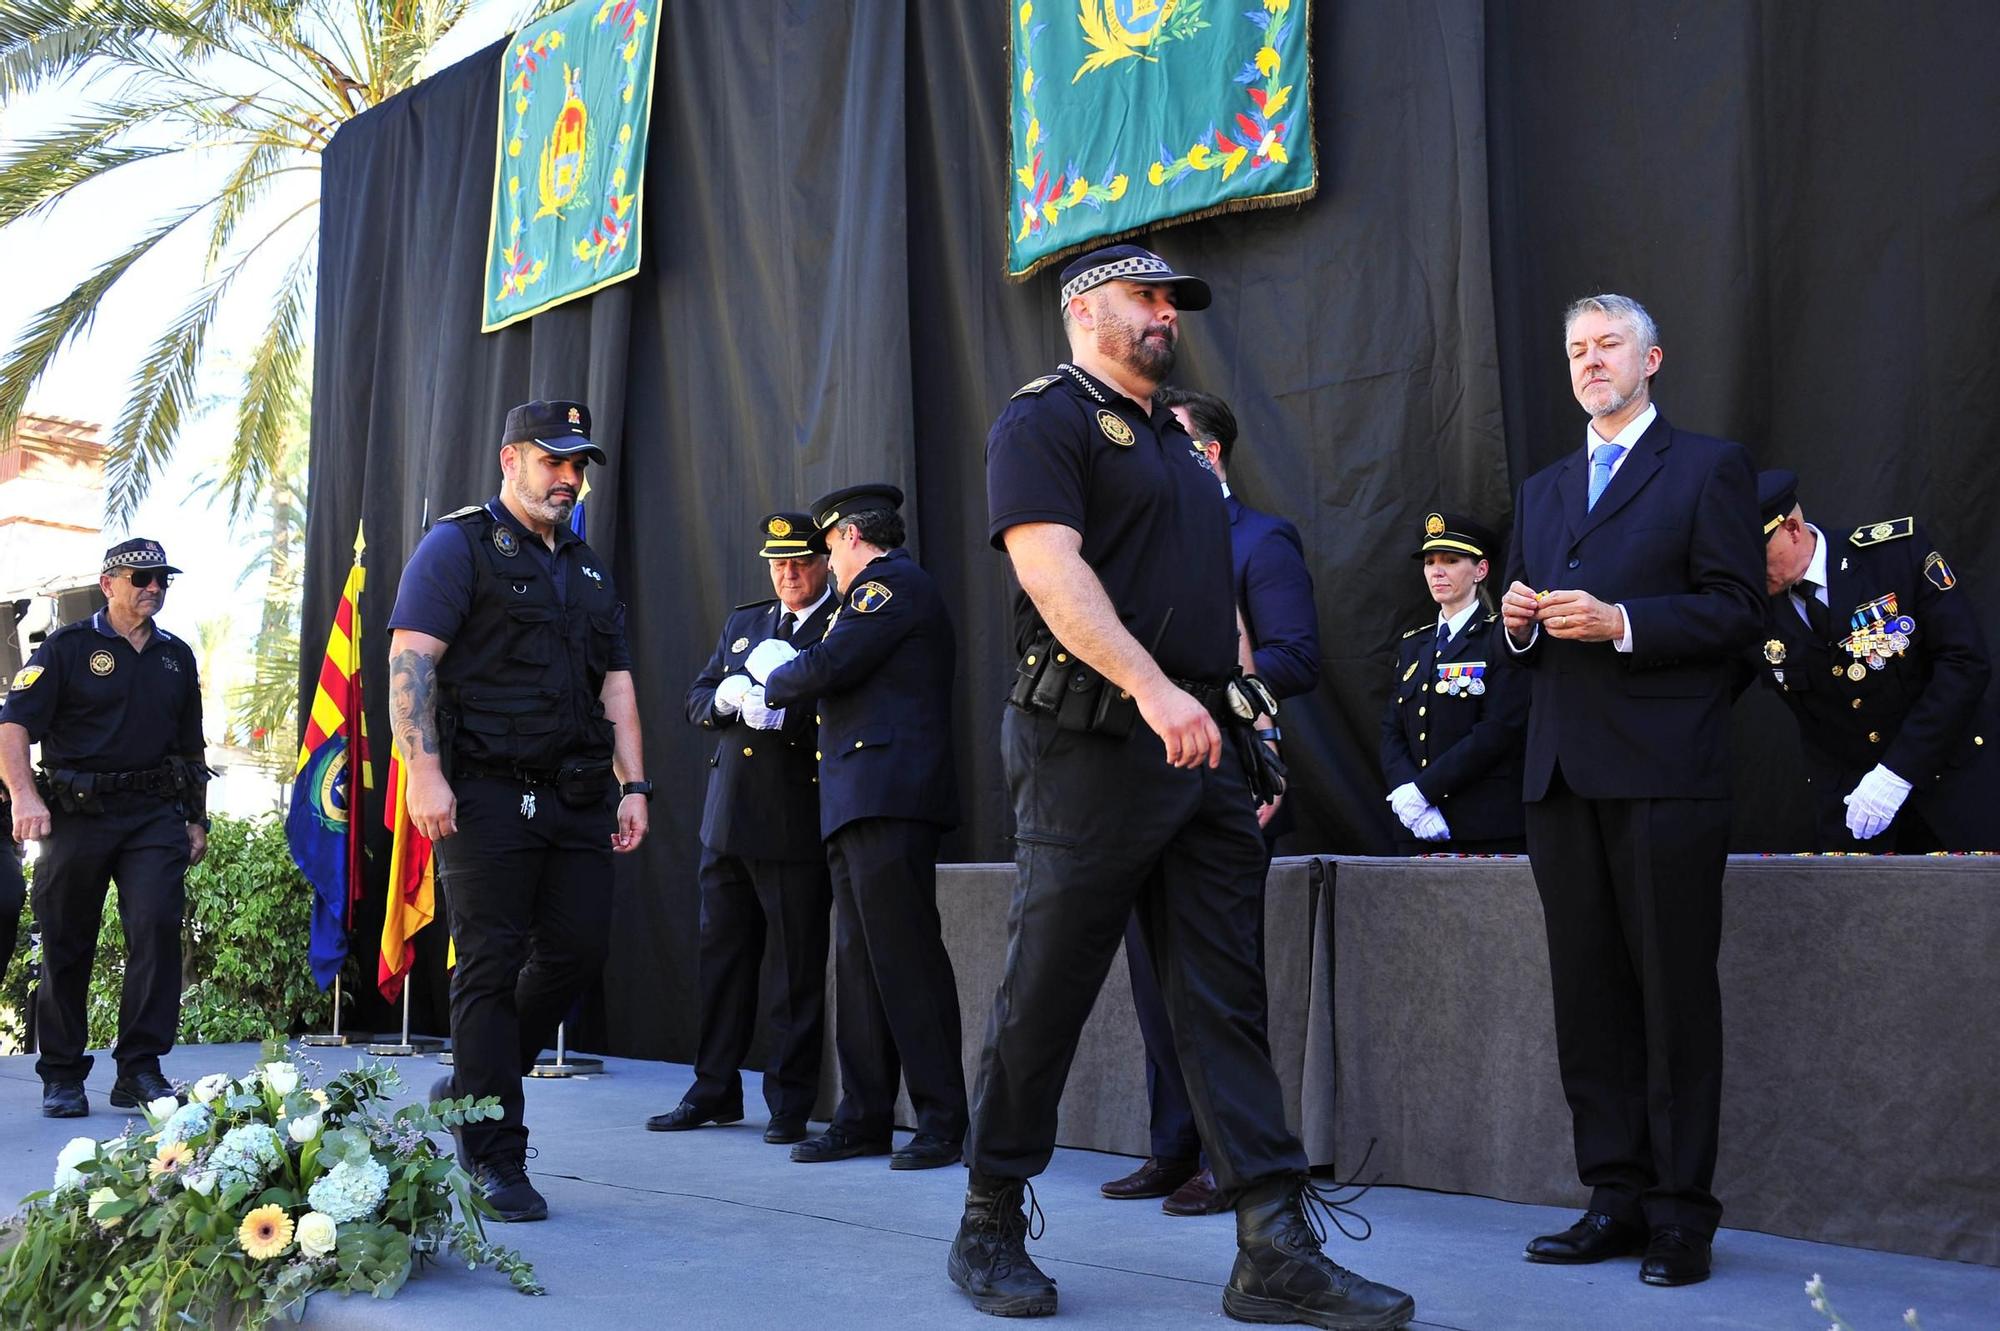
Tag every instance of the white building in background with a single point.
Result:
(52, 544)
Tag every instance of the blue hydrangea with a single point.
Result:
(246, 1155)
(187, 1122)
(349, 1191)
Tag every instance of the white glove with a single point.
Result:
(1430, 825)
(757, 715)
(729, 694)
(1407, 803)
(1872, 805)
(767, 656)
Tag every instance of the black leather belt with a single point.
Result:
(529, 776)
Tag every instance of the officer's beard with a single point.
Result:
(1147, 352)
(552, 506)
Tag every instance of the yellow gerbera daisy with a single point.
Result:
(265, 1232)
(171, 1159)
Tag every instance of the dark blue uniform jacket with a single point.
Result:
(1275, 590)
(1462, 750)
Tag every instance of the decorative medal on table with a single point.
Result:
(1461, 677)
(1880, 631)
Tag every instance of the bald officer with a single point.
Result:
(763, 866)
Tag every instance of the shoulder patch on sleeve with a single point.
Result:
(27, 675)
(869, 597)
(1875, 533)
(1938, 573)
(1034, 386)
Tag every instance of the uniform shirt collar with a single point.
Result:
(1457, 622)
(808, 612)
(1816, 568)
(101, 621)
(565, 534)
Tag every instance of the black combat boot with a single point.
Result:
(1282, 1276)
(989, 1258)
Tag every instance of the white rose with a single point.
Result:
(71, 1157)
(160, 1110)
(282, 1078)
(214, 1084)
(316, 1233)
(304, 1129)
(98, 1201)
(201, 1181)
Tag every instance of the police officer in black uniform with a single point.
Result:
(1453, 730)
(763, 865)
(1881, 659)
(121, 796)
(512, 704)
(1126, 792)
(880, 681)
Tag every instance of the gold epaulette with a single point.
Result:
(1036, 385)
(1875, 533)
(1432, 626)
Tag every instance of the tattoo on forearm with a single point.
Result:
(413, 702)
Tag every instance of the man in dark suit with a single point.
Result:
(1634, 584)
(1274, 592)
(763, 865)
(888, 791)
(1883, 663)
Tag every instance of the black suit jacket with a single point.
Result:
(1926, 714)
(1463, 750)
(1674, 538)
(882, 679)
(763, 792)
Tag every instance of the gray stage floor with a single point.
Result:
(714, 1229)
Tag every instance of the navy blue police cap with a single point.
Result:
(136, 553)
(828, 510)
(1777, 496)
(1131, 263)
(785, 535)
(1456, 534)
(561, 428)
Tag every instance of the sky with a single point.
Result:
(44, 257)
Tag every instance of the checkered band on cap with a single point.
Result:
(1142, 265)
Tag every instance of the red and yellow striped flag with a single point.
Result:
(412, 896)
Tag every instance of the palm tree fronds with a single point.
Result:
(40, 172)
(246, 185)
(162, 391)
(46, 41)
(272, 385)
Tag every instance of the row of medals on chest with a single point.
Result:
(1880, 632)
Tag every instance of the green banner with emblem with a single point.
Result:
(1127, 115)
(576, 93)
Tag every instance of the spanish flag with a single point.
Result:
(324, 835)
(412, 900)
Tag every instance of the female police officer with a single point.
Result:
(1451, 735)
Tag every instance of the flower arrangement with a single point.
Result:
(240, 1204)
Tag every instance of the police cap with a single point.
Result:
(1456, 534)
(1131, 263)
(785, 535)
(561, 428)
(1777, 496)
(136, 553)
(830, 509)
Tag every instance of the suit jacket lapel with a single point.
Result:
(1637, 469)
(1572, 492)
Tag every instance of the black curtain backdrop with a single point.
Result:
(1803, 195)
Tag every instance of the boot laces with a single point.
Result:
(1321, 1205)
(1004, 1217)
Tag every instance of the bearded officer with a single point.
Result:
(116, 706)
(880, 681)
(763, 866)
(512, 704)
(1880, 657)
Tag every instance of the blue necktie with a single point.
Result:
(1601, 459)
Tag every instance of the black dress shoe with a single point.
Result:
(783, 1130)
(1197, 1196)
(835, 1144)
(1158, 1177)
(927, 1150)
(140, 1089)
(1675, 1256)
(1594, 1238)
(64, 1099)
(687, 1115)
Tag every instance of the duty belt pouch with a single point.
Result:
(1117, 712)
(583, 783)
(1052, 683)
(1034, 663)
(1082, 687)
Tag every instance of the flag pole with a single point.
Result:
(408, 1045)
(562, 1065)
(335, 1036)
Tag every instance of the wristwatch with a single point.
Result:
(638, 788)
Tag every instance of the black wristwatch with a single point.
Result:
(638, 788)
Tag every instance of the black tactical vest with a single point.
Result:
(520, 684)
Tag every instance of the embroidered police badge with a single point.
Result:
(1434, 525)
(1116, 430)
(740, 645)
(504, 542)
(778, 527)
(1774, 652)
(870, 597)
(1938, 573)
(102, 663)
(575, 416)
(26, 677)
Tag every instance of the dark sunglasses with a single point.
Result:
(143, 578)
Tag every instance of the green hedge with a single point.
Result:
(244, 970)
